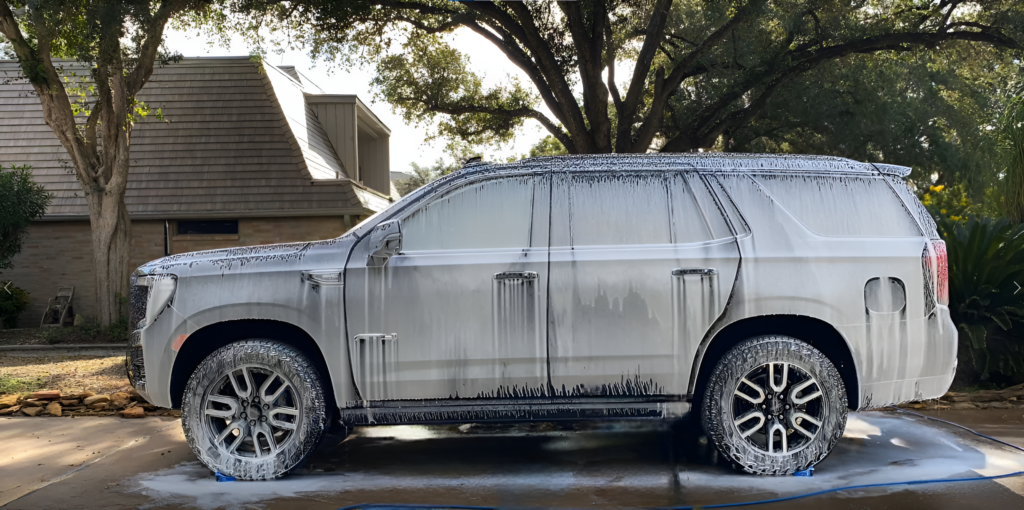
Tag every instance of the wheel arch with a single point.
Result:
(208, 339)
(820, 334)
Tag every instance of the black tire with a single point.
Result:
(729, 419)
(277, 432)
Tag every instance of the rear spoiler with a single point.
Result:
(897, 170)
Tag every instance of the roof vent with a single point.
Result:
(473, 161)
(897, 170)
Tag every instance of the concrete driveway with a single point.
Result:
(114, 463)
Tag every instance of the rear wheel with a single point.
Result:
(253, 409)
(774, 405)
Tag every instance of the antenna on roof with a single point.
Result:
(473, 160)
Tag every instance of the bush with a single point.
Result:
(986, 262)
(13, 301)
(89, 332)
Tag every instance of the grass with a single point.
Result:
(20, 385)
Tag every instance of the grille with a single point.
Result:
(135, 367)
(138, 295)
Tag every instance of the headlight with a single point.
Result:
(157, 292)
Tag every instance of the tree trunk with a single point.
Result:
(111, 240)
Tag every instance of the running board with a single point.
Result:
(392, 412)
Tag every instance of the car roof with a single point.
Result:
(705, 162)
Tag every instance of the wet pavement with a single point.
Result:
(58, 463)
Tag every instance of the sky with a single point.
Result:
(407, 141)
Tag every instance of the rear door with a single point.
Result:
(641, 265)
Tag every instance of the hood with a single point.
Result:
(269, 257)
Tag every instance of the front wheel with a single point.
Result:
(774, 405)
(253, 409)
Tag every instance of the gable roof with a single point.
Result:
(236, 140)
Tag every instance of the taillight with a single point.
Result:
(936, 272)
(941, 273)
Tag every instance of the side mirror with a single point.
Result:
(385, 241)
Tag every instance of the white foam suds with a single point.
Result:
(876, 448)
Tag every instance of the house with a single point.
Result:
(245, 154)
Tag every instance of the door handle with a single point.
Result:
(703, 271)
(516, 275)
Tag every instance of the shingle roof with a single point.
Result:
(234, 141)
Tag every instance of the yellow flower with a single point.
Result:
(927, 199)
(955, 218)
(938, 188)
(943, 211)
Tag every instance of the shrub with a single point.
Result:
(986, 263)
(13, 301)
(21, 201)
(89, 331)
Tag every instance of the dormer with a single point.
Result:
(360, 139)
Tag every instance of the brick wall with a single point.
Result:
(257, 231)
(59, 253)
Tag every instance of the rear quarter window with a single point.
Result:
(842, 205)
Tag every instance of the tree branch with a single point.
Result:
(589, 51)
(147, 54)
(637, 85)
(529, 37)
(514, 113)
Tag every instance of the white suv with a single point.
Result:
(770, 294)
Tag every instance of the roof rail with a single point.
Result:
(897, 170)
(473, 161)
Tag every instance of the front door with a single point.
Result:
(457, 311)
(639, 271)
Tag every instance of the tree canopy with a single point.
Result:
(614, 75)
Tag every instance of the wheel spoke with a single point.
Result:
(777, 388)
(241, 426)
(806, 398)
(233, 377)
(803, 417)
(222, 413)
(776, 426)
(262, 429)
(747, 417)
(746, 397)
(272, 415)
(266, 385)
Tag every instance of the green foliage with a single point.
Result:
(429, 78)
(986, 264)
(13, 301)
(89, 332)
(548, 146)
(17, 385)
(421, 175)
(21, 201)
(1011, 151)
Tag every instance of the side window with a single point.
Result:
(495, 213)
(618, 209)
(842, 205)
(696, 217)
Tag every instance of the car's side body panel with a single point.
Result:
(534, 353)
(789, 270)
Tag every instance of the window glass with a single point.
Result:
(693, 222)
(618, 209)
(496, 213)
(842, 205)
(207, 227)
